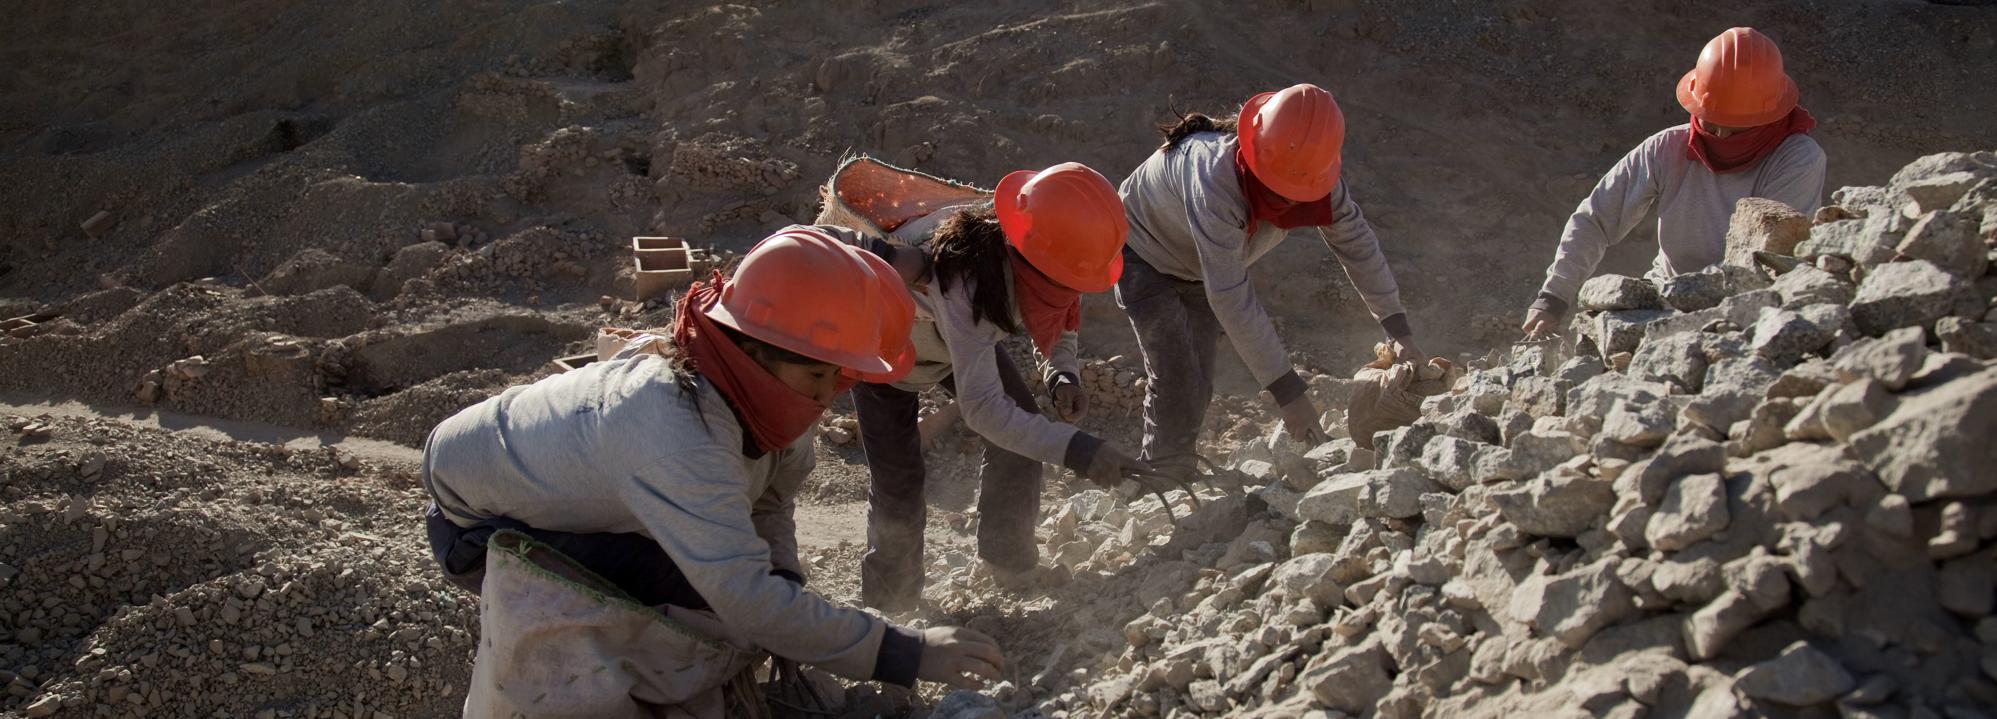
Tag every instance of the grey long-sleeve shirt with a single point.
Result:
(1188, 218)
(618, 446)
(1694, 206)
(951, 343)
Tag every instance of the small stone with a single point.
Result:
(1556, 504)
(1806, 285)
(1968, 585)
(1893, 359)
(1938, 192)
(1708, 287)
(1619, 292)
(1936, 443)
(1841, 412)
(1640, 424)
(1573, 606)
(1801, 676)
(1948, 240)
(1905, 294)
(1891, 516)
(1694, 508)
(1961, 336)
(1785, 337)
(1709, 630)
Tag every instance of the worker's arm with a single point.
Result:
(1795, 175)
(690, 494)
(1350, 239)
(775, 512)
(1620, 200)
(1066, 359)
(987, 409)
(1217, 223)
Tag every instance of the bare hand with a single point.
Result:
(1070, 402)
(1540, 325)
(1111, 466)
(1300, 418)
(962, 658)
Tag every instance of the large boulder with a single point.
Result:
(1905, 294)
(1937, 443)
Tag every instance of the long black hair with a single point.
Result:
(970, 245)
(1189, 123)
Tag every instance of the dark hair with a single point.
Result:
(970, 245)
(1176, 132)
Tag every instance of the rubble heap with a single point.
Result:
(1753, 490)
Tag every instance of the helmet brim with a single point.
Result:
(1690, 101)
(858, 362)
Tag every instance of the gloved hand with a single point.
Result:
(962, 658)
(1111, 465)
(1406, 351)
(1540, 325)
(1070, 402)
(1300, 419)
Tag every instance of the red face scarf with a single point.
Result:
(1264, 205)
(1048, 307)
(1741, 151)
(774, 414)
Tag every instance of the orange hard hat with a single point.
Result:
(1291, 140)
(897, 319)
(1738, 82)
(1067, 221)
(803, 291)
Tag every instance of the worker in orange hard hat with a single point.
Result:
(984, 268)
(1214, 199)
(668, 472)
(1747, 138)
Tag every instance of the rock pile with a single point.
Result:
(1736, 494)
(149, 574)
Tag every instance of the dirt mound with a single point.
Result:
(149, 573)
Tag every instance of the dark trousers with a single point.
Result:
(1177, 334)
(891, 573)
(633, 562)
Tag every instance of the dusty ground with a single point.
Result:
(333, 225)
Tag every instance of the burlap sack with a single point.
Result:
(1389, 395)
(558, 641)
(875, 197)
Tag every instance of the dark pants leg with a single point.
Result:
(1177, 334)
(633, 562)
(1008, 487)
(891, 570)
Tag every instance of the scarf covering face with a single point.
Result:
(1264, 205)
(774, 414)
(1047, 307)
(1744, 150)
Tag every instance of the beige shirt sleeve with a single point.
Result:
(1352, 241)
(1620, 200)
(775, 512)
